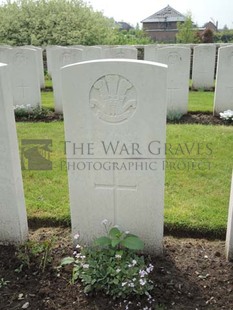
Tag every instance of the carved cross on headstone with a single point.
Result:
(171, 94)
(23, 89)
(114, 186)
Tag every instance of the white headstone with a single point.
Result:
(13, 219)
(61, 57)
(203, 66)
(223, 99)
(92, 53)
(49, 57)
(40, 62)
(229, 238)
(24, 77)
(150, 52)
(4, 54)
(178, 61)
(115, 119)
(123, 52)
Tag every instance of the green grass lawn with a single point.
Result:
(198, 100)
(47, 100)
(196, 198)
(201, 101)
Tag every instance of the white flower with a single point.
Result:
(150, 268)
(131, 284)
(226, 115)
(134, 262)
(118, 270)
(78, 246)
(118, 256)
(127, 232)
(123, 283)
(78, 255)
(142, 282)
(104, 222)
(85, 266)
(142, 273)
(76, 236)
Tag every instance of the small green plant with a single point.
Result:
(174, 115)
(27, 112)
(3, 282)
(22, 110)
(33, 253)
(112, 265)
(227, 116)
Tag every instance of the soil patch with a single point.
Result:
(192, 274)
(189, 118)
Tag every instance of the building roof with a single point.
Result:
(124, 26)
(168, 14)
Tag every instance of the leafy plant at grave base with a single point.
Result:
(33, 253)
(174, 115)
(227, 116)
(22, 110)
(27, 112)
(112, 265)
(3, 283)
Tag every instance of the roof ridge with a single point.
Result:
(167, 12)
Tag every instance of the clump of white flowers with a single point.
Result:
(227, 115)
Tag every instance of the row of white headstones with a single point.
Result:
(114, 118)
(27, 74)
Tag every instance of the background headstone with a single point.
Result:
(123, 52)
(223, 99)
(178, 61)
(150, 52)
(203, 66)
(24, 77)
(49, 60)
(4, 54)
(116, 102)
(13, 219)
(229, 238)
(92, 53)
(40, 62)
(61, 57)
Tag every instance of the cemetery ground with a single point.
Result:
(192, 274)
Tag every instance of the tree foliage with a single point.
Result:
(224, 36)
(45, 22)
(207, 36)
(186, 32)
(59, 22)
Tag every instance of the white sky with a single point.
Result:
(134, 11)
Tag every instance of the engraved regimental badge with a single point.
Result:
(113, 98)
